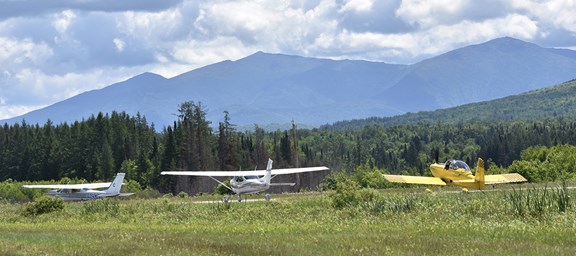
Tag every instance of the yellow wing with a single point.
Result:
(504, 178)
(415, 180)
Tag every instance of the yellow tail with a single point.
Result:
(479, 177)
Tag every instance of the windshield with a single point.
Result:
(457, 164)
(250, 177)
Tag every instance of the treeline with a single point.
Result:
(100, 146)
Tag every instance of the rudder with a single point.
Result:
(479, 176)
(116, 185)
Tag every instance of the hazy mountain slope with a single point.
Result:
(132, 96)
(552, 102)
(495, 69)
(274, 88)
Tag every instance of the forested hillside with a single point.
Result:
(96, 148)
(550, 102)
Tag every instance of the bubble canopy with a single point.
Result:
(457, 164)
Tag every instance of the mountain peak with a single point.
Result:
(509, 44)
(148, 76)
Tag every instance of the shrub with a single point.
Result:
(332, 180)
(42, 205)
(149, 193)
(182, 194)
(12, 192)
(223, 190)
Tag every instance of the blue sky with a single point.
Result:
(53, 50)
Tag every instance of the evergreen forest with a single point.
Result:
(99, 146)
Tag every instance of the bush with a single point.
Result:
(149, 193)
(346, 194)
(12, 192)
(42, 205)
(223, 190)
(332, 180)
(370, 178)
(182, 194)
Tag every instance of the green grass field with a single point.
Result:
(389, 222)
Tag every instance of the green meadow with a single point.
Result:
(521, 221)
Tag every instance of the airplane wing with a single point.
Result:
(244, 173)
(215, 173)
(298, 170)
(71, 186)
(503, 178)
(414, 180)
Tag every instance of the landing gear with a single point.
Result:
(239, 198)
(267, 197)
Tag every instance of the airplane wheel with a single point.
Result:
(267, 197)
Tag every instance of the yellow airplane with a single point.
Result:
(456, 172)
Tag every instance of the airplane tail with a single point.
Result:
(479, 176)
(116, 185)
(268, 175)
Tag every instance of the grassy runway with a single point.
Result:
(397, 222)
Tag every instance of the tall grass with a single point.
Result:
(537, 202)
(371, 222)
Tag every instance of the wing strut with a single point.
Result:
(221, 183)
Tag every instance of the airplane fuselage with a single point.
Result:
(248, 185)
(450, 175)
(79, 194)
(456, 172)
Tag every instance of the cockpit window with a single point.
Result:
(251, 177)
(457, 164)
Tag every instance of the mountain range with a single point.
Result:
(554, 102)
(266, 88)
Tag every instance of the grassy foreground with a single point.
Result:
(398, 223)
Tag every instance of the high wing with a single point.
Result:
(298, 170)
(71, 186)
(503, 178)
(414, 180)
(215, 173)
(244, 173)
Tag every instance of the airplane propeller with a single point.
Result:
(436, 155)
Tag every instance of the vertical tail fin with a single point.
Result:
(479, 176)
(268, 175)
(116, 185)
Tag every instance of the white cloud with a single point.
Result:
(50, 50)
(16, 110)
(22, 52)
(63, 20)
(426, 14)
(119, 43)
(357, 6)
(559, 13)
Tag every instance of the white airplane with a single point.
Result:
(82, 192)
(248, 182)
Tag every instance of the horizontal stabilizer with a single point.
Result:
(504, 178)
(414, 180)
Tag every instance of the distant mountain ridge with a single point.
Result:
(268, 89)
(547, 103)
